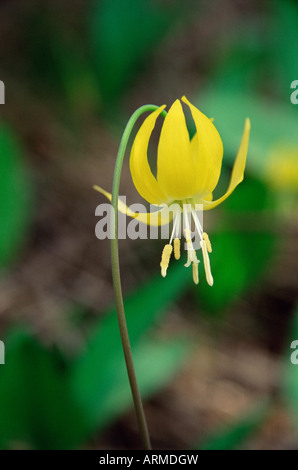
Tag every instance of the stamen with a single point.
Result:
(177, 248)
(206, 263)
(187, 234)
(165, 259)
(197, 223)
(176, 225)
(207, 240)
(191, 254)
(195, 272)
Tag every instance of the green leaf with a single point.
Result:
(234, 435)
(15, 196)
(37, 408)
(155, 362)
(101, 366)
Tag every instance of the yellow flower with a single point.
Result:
(187, 174)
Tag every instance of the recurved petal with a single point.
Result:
(144, 181)
(238, 168)
(157, 218)
(175, 163)
(207, 150)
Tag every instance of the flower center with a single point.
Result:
(186, 210)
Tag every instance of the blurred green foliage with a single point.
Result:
(235, 434)
(284, 44)
(248, 216)
(289, 383)
(123, 42)
(37, 407)
(58, 64)
(51, 402)
(91, 72)
(273, 123)
(155, 361)
(258, 56)
(245, 229)
(15, 196)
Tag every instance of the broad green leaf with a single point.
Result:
(37, 407)
(234, 434)
(156, 363)
(15, 196)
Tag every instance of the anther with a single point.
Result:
(177, 248)
(195, 272)
(207, 240)
(165, 259)
(206, 263)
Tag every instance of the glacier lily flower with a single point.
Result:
(187, 174)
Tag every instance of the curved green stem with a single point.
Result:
(117, 279)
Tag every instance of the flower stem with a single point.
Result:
(117, 279)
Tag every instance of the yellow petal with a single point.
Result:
(201, 171)
(199, 200)
(207, 150)
(160, 217)
(175, 163)
(141, 173)
(238, 169)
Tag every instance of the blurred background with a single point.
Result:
(213, 363)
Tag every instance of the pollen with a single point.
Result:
(195, 272)
(165, 259)
(206, 263)
(177, 248)
(207, 240)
